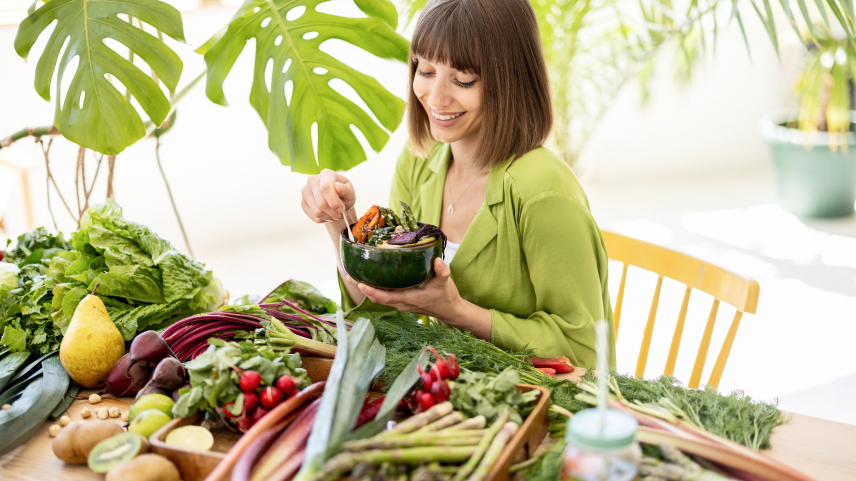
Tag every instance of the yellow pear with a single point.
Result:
(92, 344)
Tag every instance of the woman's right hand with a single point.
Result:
(327, 196)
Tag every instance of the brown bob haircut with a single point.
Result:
(499, 41)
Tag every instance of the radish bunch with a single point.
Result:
(258, 399)
(434, 388)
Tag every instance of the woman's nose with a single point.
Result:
(439, 96)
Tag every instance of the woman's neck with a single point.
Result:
(463, 156)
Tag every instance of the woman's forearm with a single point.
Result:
(334, 229)
(467, 316)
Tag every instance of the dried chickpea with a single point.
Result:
(7, 407)
(102, 413)
(125, 416)
(54, 430)
(113, 412)
(85, 412)
(65, 420)
(94, 399)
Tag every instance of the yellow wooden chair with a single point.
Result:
(734, 289)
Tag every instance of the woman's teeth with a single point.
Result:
(446, 117)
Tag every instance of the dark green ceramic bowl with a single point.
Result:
(398, 268)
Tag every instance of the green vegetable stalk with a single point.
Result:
(477, 422)
(342, 463)
(484, 445)
(279, 337)
(446, 421)
(422, 419)
(465, 438)
(492, 455)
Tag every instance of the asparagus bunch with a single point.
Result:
(429, 441)
(679, 468)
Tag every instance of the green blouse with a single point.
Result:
(533, 255)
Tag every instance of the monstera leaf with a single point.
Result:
(94, 114)
(288, 34)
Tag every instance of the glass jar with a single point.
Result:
(595, 452)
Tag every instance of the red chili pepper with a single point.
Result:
(560, 364)
(369, 411)
(547, 370)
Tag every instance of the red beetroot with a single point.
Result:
(148, 348)
(250, 381)
(251, 401)
(169, 373)
(271, 396)
(126, 379)
(286, 385)
(426, 401)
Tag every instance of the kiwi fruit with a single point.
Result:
(146, 467)
(74, 443)
(115, 450)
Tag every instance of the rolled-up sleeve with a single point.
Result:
(567, 264)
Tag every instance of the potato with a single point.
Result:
(145, 467)
(73, 443)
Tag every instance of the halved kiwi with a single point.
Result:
(112, 451)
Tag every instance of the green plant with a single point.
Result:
(93, 113)
(291, 78)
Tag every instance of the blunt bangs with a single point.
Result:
(446, 38)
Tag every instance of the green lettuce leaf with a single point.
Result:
(304, 295)
(138, 283)
(146, 317)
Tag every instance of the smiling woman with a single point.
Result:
(531, 268)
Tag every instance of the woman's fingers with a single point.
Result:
(441, 269)
(327, 189)
(346, 192)
(311, 210)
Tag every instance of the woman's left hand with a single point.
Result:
(438, 297)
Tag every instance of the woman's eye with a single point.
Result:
(424, 74)
(465, 85)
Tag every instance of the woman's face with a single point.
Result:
(451, 98)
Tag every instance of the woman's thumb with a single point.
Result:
(441, 269)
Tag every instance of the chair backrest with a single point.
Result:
(726, 286)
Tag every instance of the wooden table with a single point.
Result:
(825, 450)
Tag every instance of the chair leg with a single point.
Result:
(701, 357)
(616, 314)
(719, 367)
(649, 331)
(679, 332)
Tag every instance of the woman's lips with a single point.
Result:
(446, 120)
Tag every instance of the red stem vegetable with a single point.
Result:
(547, 370)
(244, 465)
(279, 462)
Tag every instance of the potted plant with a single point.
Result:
(814, 146)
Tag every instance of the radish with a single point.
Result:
(258, 414)
(426, 401)
(148, 348)
(250, 381)
(251, 400)
(270, 397)
(440, 391)
(226, 410)
(286, 385)
(427, 381)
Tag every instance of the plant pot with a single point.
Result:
(812, 180)
(390, 268)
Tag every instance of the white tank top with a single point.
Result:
(451, 249)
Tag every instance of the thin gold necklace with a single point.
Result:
(451, 208)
